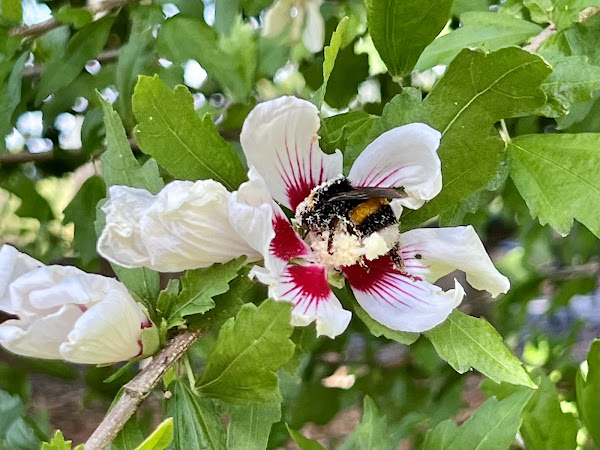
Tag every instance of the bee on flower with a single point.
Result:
(343, 229)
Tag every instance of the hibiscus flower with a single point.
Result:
(391, 274)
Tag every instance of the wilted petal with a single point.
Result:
(109, 331)
(280, 140)
(276, 18)
(185, 226)
(65, 313)
(314, 31)
(13, 264)
(307, 288)
(397, 300)
(262, 223)
(40, 338)
(405, 157)
(435, 252)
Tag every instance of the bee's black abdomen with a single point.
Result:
(378, 220)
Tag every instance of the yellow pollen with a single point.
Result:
(365, 209)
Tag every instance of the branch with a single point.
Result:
(537, 41)
(105, 56)
(139, 388)
(48, 25)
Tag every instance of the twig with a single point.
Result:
(105, 56)
(537, 41)
(15, 159)
(48, 25)
(139, 388)
(591, 268)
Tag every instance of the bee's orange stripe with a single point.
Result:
(365, 209)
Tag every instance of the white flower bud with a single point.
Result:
(185, 226)
(65, 313)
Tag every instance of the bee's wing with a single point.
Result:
(365, 193)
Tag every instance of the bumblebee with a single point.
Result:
(337, 210)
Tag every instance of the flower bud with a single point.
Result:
(185, 226)
(65, 313)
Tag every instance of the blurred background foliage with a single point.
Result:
(53, 134)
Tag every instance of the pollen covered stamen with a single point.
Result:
(334, 248)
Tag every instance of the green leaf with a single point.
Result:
(441, 436)
(251, 425)
(557, 175)
(242, 290)
(477, 90)
(302, 441)
(488, 31)
(187, 146)
(198, 287)
(83, 46)
(77, 17)
(539, 10)
(135, 58)
(231, 62)
(82, 211)
(250, 349)
(544, 424)
(566, 12)
(10, 96)
(573, 80)
(119, 166)
(160, 438)
(11, 9)
(371, 433)
(11, 408)
(349, 72)
(467, 342)
(32, 203)
(197, 424)
(588, 392)
(492, 427)
(331, 51)
(401, 29)
(581, 39)
(57, 442)
(336, 131)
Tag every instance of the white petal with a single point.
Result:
(307, 288)
(40, 338)
(34, 12)
(13, 264)
(71, 140)
(406, 157)
(185, 226)
(276, 18)
(399, 301)
(108, 332)
(262, 223)
(31, 123)
(14, 141)
(280, 140)
(120, 241)
(314, 29)
(442, 250)
(194, 74)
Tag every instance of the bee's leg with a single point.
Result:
(333, 226)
